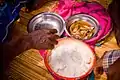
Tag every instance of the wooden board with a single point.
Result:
(28, 66)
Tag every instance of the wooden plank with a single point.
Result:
(48, 7)
(25, 14)
(26, 65)
(24, 21)
(110, 44)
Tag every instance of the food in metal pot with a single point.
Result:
(47, 20)
(81, 30)
(71, 60)
(43, 26)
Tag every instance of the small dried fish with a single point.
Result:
(81, 30)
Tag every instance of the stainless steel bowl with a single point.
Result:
(47, 20)
(91, 20)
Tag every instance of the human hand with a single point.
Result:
(34, 4)
(114, 71)
(41, 39)
(98, 69)
(1, 2)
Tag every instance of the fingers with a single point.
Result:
(47, 46)
(99, 70)
(46, 43)
(44, 38)
(53, 37)
(43, 32)
(54, 42)
(49, 31)
(50, 46)
(53, 31)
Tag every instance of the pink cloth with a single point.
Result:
(66, 8)
(42, 53)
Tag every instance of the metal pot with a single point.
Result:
(47, 20)
(67, 42)
(84, 17)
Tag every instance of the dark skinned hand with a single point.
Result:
(114, 71)
(41, 39)
(98, 69)
(34, 4)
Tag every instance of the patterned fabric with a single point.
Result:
(109, 58)
(66, 8)
(8, 13)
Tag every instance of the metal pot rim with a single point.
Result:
(97, 27)
(46, 13)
